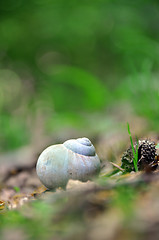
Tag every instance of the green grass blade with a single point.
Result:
(137, 145)
(135, 159)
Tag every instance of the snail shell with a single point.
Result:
(74, 159)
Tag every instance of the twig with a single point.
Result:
(115, 165)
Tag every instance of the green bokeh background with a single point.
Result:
(60, 60)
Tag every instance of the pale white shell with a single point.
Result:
(74, 159)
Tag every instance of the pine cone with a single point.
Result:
(146, 156)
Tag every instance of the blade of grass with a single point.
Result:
(135, 159)
(137, 145)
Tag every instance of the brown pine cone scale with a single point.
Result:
(147, 157)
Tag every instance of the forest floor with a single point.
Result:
(116, 207)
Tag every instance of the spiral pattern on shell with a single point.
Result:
(81, 146)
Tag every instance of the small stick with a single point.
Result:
(115, 165)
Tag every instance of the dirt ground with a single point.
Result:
(116, 207)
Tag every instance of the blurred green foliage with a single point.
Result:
(66, 58)
(124, 199)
